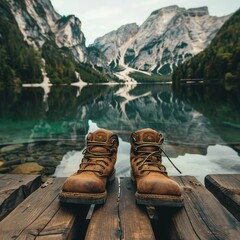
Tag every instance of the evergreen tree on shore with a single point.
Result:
(17, 59)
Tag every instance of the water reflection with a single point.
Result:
(195, 120)
(199, 116)
(219, 103)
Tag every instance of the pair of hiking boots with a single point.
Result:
(154, 187)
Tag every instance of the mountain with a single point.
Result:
(39, 22)
(221, 59)
(39, 45)
(34, 36)
(168, 37)
(112, 44)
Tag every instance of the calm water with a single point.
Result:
(201, 124)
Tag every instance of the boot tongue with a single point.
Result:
(147, 135)
(101, 136)
(99, 139)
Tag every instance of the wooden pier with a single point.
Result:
(31, 210)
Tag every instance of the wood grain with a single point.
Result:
(104, 223)
(134, 220)
(226, 188)
(202, 217)
(40, 215)
(14, 188)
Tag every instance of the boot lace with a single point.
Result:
(90, 157)
(144, 157)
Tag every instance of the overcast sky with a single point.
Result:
(99, 17)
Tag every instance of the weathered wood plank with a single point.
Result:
(104, 223)
(67, 223)
(41, 214)
(134, 220)
(14, 188)
(226, 188)
(202, 217)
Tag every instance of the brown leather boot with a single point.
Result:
(88, 185)
(154, 187)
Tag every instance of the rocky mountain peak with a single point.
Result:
(197, 12)
(172, 8)
(39, 22)
(68, 31)
(168, 37)
(111, 44)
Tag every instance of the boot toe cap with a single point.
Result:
(160, 186)
(83, 184)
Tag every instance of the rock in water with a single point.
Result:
(28, 168)
(11, 148)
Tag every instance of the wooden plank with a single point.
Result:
(67, 223)
(14, 188)
(40, 215)
(104, 223)
(134, 220)
(226, 188)
(202, 217)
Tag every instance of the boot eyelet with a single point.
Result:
(135, 150)
(112, 151)
(134, 139)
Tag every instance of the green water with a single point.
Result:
(196, 120)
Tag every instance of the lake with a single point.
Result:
(201, 124)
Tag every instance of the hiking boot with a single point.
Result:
(154, 186)
(88, 185)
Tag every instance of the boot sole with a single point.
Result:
(83, 198)
(157, 200)
(86, 198)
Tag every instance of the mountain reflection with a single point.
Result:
(185, 118)
(220, 104)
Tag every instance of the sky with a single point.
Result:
(99, 17)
